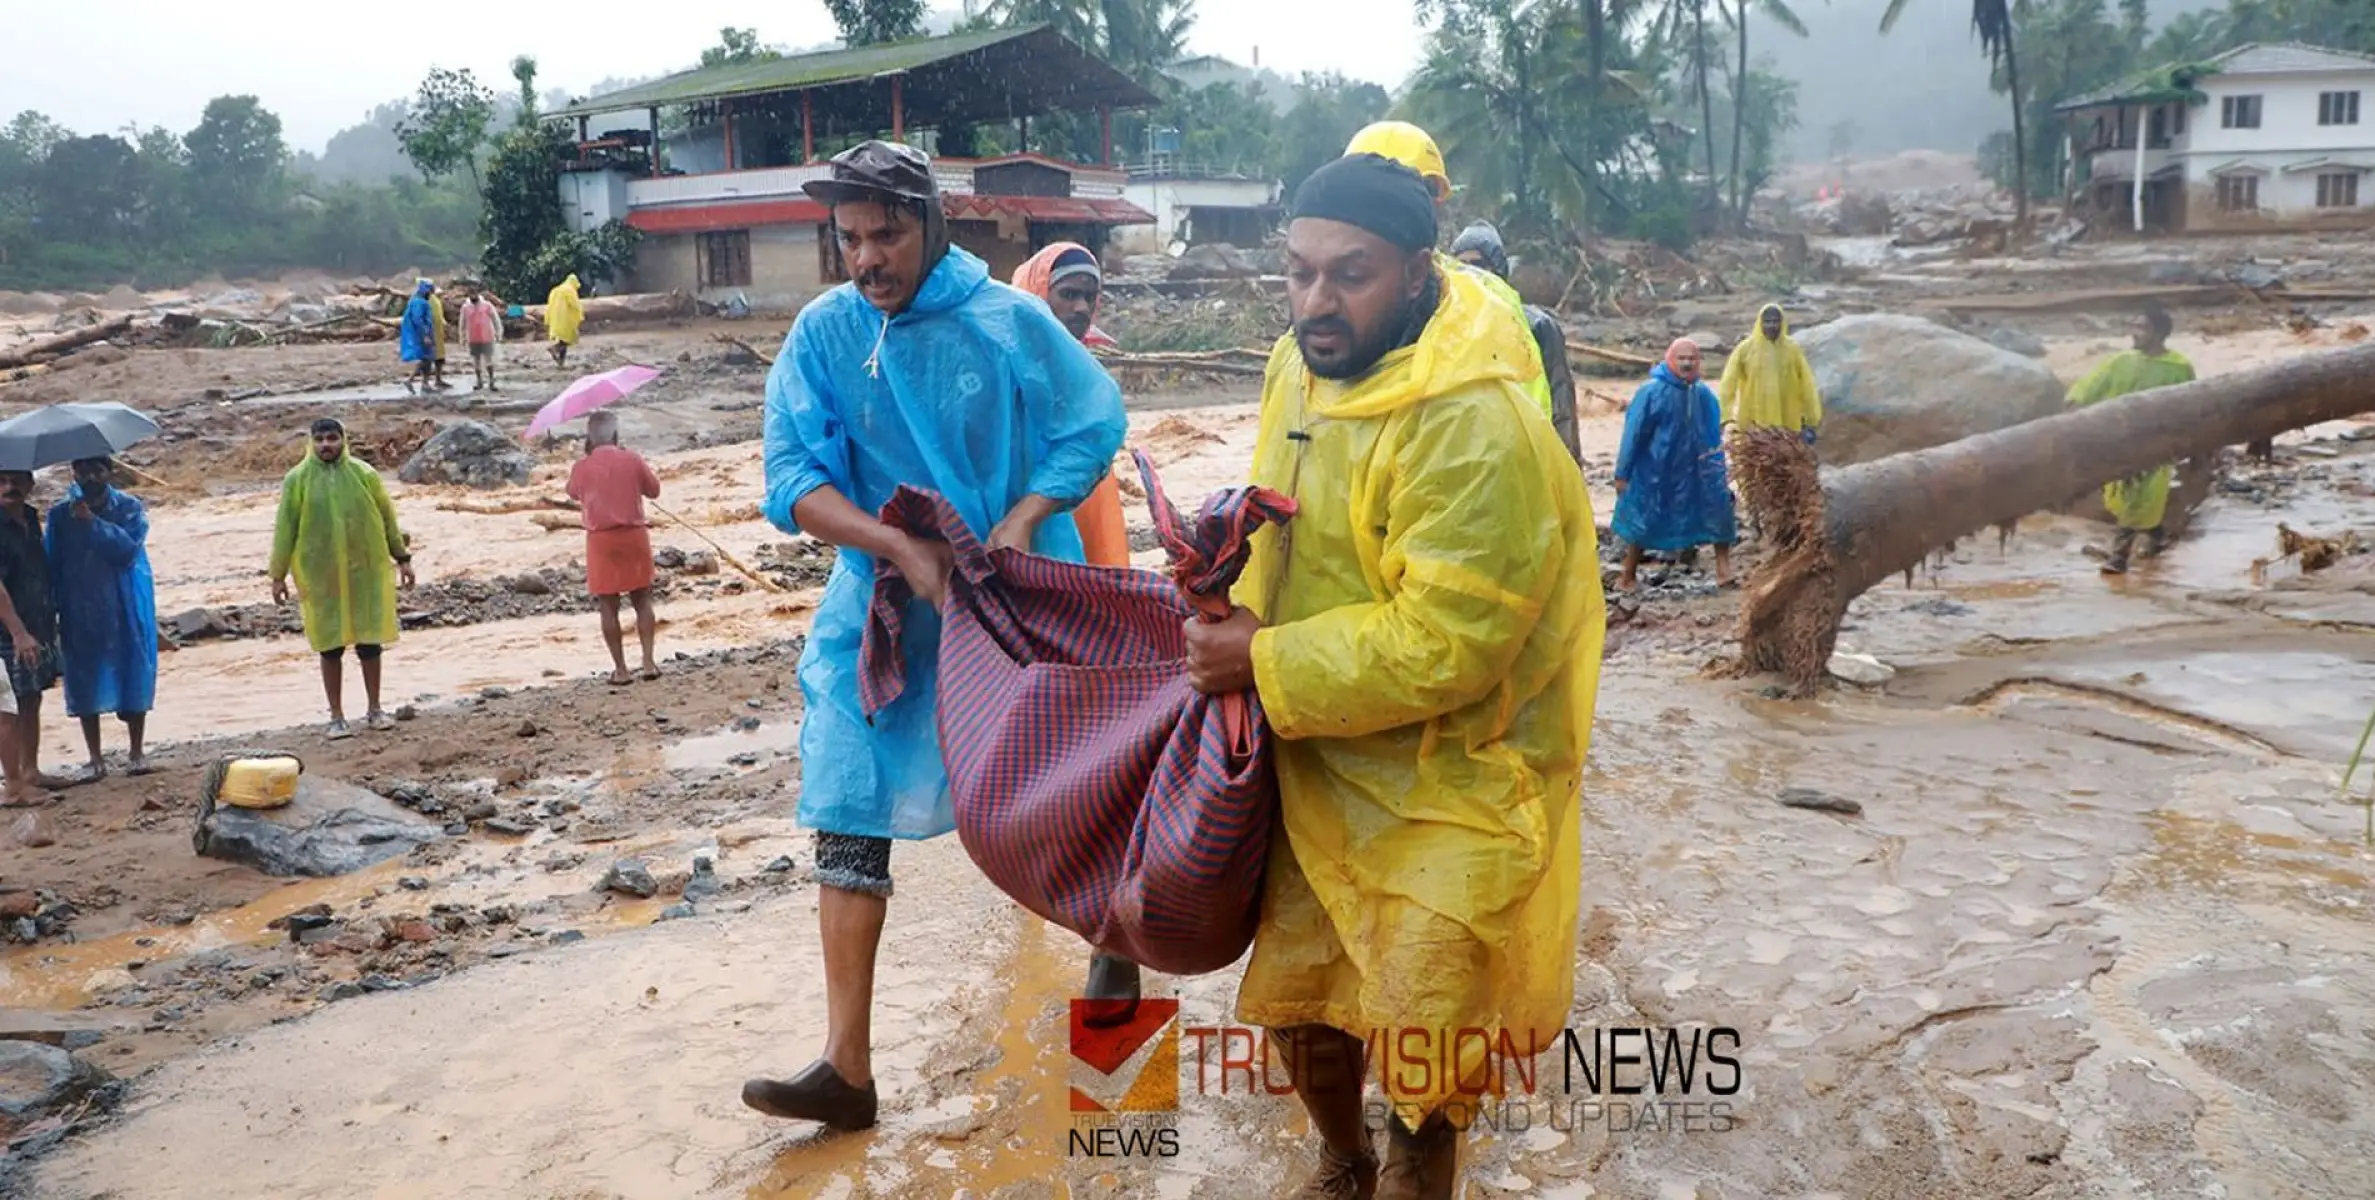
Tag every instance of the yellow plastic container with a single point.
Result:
(259, 782)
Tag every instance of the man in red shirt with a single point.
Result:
(610, 485)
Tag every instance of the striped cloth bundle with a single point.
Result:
(1090, 782)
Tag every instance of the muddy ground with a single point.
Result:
(2099, 928)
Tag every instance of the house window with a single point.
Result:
(2338, 108)
(725, 259)
(2239, 193)
(2338, 190)
(2239, 112)
(2178, 126)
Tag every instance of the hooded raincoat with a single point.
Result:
(1104, 534)
(337, 532)
(1550, 340)
(2139, 502)
(1768, 383)
(437, 325)
(107, 604)
(564, 312)
(974, 392)
(1672, 465)
(416, 336)
(1433, 622)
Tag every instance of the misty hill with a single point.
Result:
(1924, 85)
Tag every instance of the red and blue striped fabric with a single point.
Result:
(1090, 782)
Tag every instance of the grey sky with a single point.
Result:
(98, 66)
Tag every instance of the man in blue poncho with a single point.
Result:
(920, 371)
(1670, 490)
(416, 338)
(107, 608)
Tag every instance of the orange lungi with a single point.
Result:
(1103, 536)
(618, 561)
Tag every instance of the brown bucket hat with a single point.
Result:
(876, 170)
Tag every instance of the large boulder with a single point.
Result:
(331, 828)
(36, 1079)
(1892, 384)
(471, 453)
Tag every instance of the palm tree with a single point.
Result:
(1992, 21)
(1778, 12)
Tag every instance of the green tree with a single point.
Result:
(1329, 109)
(866, 22)
(1737, 12)
(1228, 126)
(2074, 47)
(737, 46)
(529, 247)
(89, 189)
(523, 74)
(237, 160)
(447, 125)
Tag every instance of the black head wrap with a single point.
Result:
(1375, 194)
(328, 425)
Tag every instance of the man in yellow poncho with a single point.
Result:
(437, 334)
(1767, 382)
(337, 530)
(563, 313)
(2140, 502)
(1412, 147)
(1424, 638)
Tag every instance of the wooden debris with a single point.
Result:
(1619, 357)
(727, 339)
(552, 522)
(723, 554)
(506, 508)
(49, 348)
(2316, 553)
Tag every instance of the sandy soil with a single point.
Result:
(2100, 929)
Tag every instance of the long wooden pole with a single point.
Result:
(724, 555)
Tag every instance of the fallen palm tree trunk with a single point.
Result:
(1603, 354)
(47, 348)
(1836, 536)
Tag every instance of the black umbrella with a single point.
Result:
(65, 432)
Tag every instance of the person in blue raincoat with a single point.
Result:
(416, 338)
(107, 608)
(920, 371)
(1671, 495)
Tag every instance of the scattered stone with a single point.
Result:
(631, 877)
(782, 864)
(406, 712)
(1808, 798)
(414, 931)
(198, 623)
(499, 914)
(344, 990)
(36, 1078)
(700, 562)
(567, 936)
(471, 453)
(746, 758)
(481, 811)
(668, 558)
(1861, 669)
(511, 776)
(676, 912)
(747, 724)
(19, 904)
(506, 950)
(528, 585)
(33, 831)
(382, 983)
(330, 828)
(493, 693)
(509, 827)
(735, 906)
(529, 729)
(413, 883)
(323, 934)
(704, 884)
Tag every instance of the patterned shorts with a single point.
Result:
(854, 864)
(30, 681)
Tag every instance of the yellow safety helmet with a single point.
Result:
(1408, 145)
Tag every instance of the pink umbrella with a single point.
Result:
(588, 394)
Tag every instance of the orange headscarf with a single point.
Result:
(1674, 352)
(1103, 534)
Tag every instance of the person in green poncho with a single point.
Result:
(2139, 502)
(337, 531)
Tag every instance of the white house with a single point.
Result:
(2263, 135)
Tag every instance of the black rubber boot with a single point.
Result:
(1113, 985)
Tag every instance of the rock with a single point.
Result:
(33, 831)
(781, 864)
(700, 562)
(19, 904)
(470, 453)
(631, 877)
(2018, 341)
(566, 936)
(494, 693)
(528, 729)
(1814, 801)
(330, 828)
(667, 558)
(1891, 384)
(1861, 214)
(413, 883)
(2255, 277)
(406, 712)
(528, 585)
(49, 1029)
(199, 623)
(704, 884)
(2172, 274)
(1215, 260)
(508, 827)
(414, 931)
(36, 1078)
(1861, 669)
(676, 912)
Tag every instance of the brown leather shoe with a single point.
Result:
(1423, 1165)
(816, 1094)
(1340, 1177)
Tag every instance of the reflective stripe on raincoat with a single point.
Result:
(2139, 501)
(975, 393)
(1432, 651)
(564, 312)
(337, 533)
(1768, 383)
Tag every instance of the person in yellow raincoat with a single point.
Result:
(437, 336)
(2140, 502)
(1414, 148)
(337, 532)
(563, 313)
(1424, 637)
(1768, 383)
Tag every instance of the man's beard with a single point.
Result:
(1390, 335)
